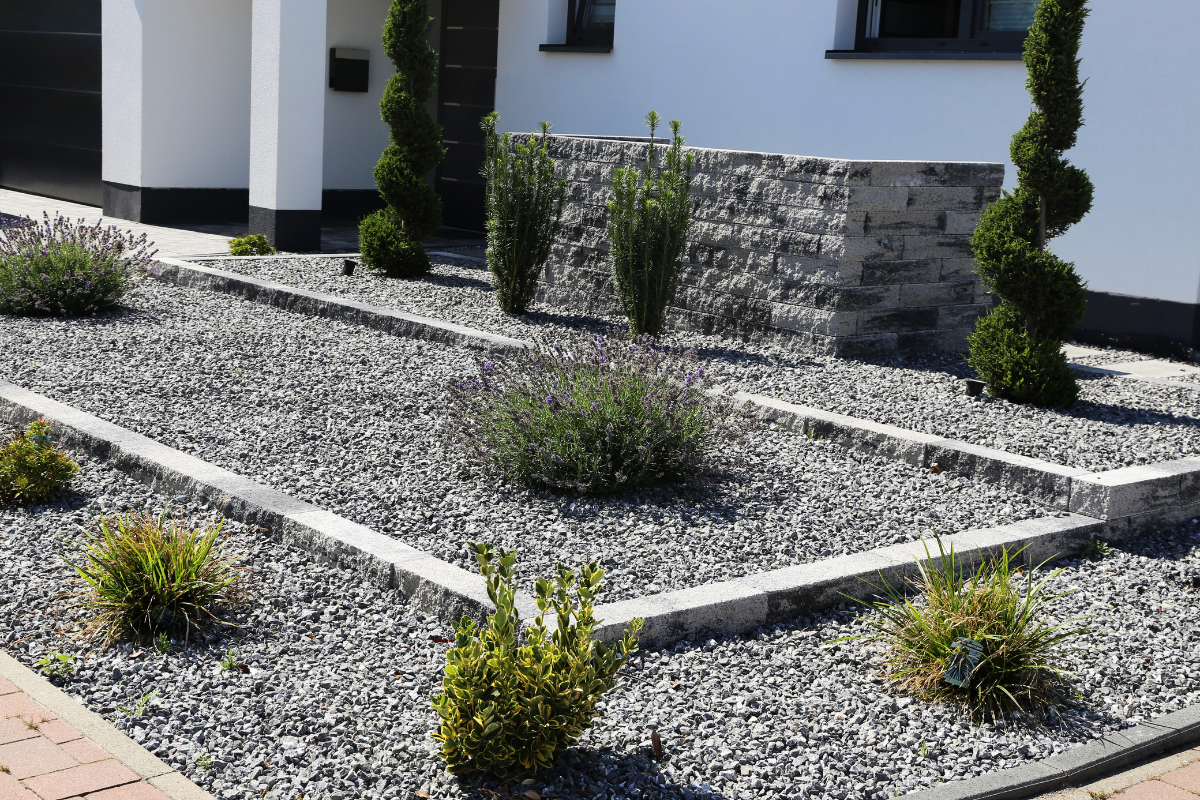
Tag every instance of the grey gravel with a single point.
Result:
(335, 704)
(1119, 422)
(346, 418)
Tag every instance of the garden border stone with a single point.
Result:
(318, 304)
(1079, 764)
(733, 606)
(1104, 494)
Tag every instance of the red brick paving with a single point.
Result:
(43, 758)
(1155, 790)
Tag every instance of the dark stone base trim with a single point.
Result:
(166, 206)
(290, 230)
(349, 205)
(1159, 327)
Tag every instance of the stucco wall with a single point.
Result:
(355, 136)
(753, 76)
(176, 77)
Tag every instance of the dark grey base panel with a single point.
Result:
(1162, 327)
(291, 230)
(155, 206)
(349, 205)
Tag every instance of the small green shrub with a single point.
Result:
(252, 244)
(524, 213)
(1005, 612)
(68, 269)
(145, 575)
(32, 469)
(507, 707)
(595, 415)
(648, 230)
(384, 246)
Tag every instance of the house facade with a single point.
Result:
(233, 109)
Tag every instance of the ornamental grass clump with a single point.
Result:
(508, 707)
(32, 469)
(68, 269)
(147, 575)
(524, 213)
(986, 636)
(594, 415)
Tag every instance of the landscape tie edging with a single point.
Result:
(318, 304)
(1104, 495)
(735, 606)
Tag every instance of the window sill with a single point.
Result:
(575, 48)
(919, 55)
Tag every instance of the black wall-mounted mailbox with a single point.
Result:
(348, 69)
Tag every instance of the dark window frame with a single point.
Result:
(971, 41)
(579, 38)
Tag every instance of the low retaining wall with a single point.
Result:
(849, 258)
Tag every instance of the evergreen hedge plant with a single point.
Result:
(1017, 348)
(391, 239)
(524, 213)
(648, 231)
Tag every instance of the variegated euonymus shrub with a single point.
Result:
(508, 707)
(594, 414)
(32, 469)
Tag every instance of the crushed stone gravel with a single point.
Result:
(346, 417)
(335, 703)
(1119, 422)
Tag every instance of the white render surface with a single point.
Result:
(753, 76)
(355, 136)
(287, 108)
(176, 87)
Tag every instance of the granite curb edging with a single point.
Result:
(101, 733)
(433, 584)
(734, 606)
(1104, 495)
(318, 304)
(1077, 765)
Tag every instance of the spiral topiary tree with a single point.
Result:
(1017, 347)
(391, 239)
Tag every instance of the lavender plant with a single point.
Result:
(595, 415)
(69, 269)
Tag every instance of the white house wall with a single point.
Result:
(176, 109)
(752, 75)
(355, 136)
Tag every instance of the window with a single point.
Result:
(941, 28)
(589, 27)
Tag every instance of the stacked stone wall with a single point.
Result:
(850, 258)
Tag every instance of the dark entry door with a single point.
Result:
(466, 92)
(50, 98)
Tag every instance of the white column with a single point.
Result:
(287, 110)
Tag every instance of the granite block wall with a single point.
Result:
(839, 257)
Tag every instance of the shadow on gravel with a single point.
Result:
(587, 773)
(456, 282)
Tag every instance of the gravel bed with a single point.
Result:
(335, 703)
(346, 417)
(1119, 422)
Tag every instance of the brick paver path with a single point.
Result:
(43, 757)
(1173, 777)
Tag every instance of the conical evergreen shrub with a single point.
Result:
(390, 239)
(1017, 348)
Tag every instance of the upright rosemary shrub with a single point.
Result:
(524, 213)
(648, 230)
(68, 269)
(391, 239)
(32, 469)
(1016, 349)
(994, 609)
(146, 575)
(508, 707)
(595, 415)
